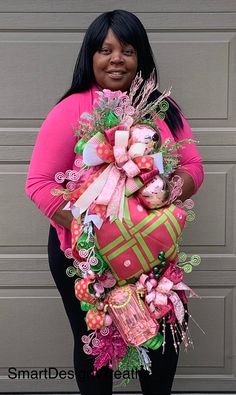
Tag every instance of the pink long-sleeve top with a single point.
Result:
(54, 152)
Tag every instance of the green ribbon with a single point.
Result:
(102, 263)
(79, 146)
(139, 184)
(82, 242)
(127, 216)
(155, 342)
(112, 119)
(85, 306)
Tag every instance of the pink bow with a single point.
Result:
(106, 280)
(161, 296)
(124, 167)
(124, 162)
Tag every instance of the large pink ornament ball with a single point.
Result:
(145, 134)
(155, 194)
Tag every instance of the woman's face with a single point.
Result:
(115, 64)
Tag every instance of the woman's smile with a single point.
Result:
(116, 74)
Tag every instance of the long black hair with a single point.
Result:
(129, 30)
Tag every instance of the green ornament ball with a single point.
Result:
(161, 256)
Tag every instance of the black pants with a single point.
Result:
(163, 365)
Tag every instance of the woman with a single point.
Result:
(114, 49)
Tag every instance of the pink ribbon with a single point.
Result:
(109, 187)
(121, 155)
(114, 205)
(124, 162)
(131, 169)
(109, 190)
(110, 134)
(113, 190)
(159, 295)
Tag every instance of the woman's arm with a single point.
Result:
(53, 152)
(188, 186)
(191, 168)
(63, 217)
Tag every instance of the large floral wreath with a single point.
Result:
(127, 221)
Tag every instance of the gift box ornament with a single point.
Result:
(131, 316)
(132, 246)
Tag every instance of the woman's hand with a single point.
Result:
(63, 217)
(188, 187)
